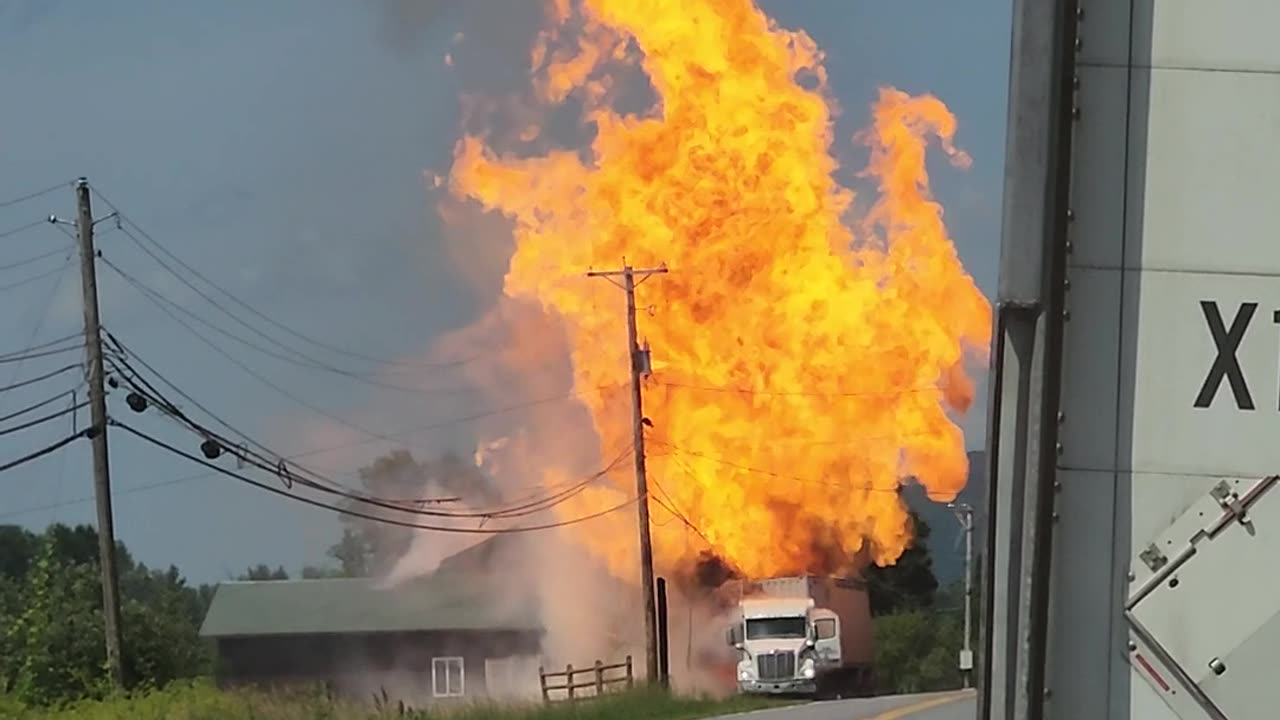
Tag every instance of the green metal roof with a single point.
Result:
(445, 601)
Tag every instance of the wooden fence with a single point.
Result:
(603, 679)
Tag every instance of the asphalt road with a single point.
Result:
(939, 706)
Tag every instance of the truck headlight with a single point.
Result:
(744, 671)
(807, 669)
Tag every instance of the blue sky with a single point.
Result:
(279, 148)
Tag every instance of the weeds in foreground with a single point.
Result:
(202, 701)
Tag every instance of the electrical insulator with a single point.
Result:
(211, 449)
(137, 402)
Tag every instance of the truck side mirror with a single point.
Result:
(733, 637)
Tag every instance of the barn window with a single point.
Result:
(446, 677)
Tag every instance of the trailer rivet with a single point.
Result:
(1061, 416)
(1055, 517)
(1133, 646)
(1057, 486)
(1066, 314)
(1079, 13)
(1069, 247)
(1066, 283)
(1132, 576)
(1075, 112)
(1075, 82)
(1079, 43)
(1048, 693)
(1071, 214)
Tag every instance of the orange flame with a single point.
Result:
(802, 370)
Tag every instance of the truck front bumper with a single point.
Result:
(798, 686)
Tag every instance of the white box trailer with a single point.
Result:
(1134, 514)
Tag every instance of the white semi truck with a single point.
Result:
(803, 635)
(1134, 516)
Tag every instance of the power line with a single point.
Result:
(39, 378)
(273, 461)
(135, 380)
(32, 356)
(144, 487)
(21, 229)
(33, 195)
(266, 318)
(271, 384)
(36, 278)
(35, 332)
(799, 393)
(781, 476)
(44, 451)
(207, 298)
(43, 419)
(670, 505)
(36, 406)
(397, 437)
(280, 469)
(46, 344)
(115, 491)
(355, 513)
(130, 353)
(201, 475)
(33, 259)
(160, 300)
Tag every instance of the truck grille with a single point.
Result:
(776, 666)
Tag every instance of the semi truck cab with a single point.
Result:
(785, 644)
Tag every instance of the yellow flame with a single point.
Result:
(805, 363)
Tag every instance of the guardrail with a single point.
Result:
(604, 678)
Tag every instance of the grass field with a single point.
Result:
(201, 701)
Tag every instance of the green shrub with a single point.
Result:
(918, 651)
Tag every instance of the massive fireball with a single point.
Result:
(804, 360)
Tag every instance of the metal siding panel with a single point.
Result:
(1171, 357)
(1098, 161)
(1080, 627)
(1223, 34)
(1210, 34)
(1091, 355)
(1104, 32)
(1209, 172)
(1262, 695)
(1144, 704)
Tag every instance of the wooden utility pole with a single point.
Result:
(640, 368)
(98, 434)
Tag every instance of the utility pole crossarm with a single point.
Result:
(628, 271)
(98, 434)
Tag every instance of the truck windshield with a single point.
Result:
(783, 627)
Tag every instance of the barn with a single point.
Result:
(452, 635)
